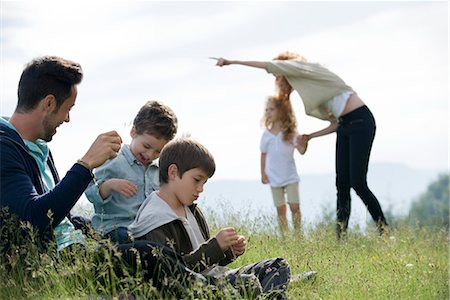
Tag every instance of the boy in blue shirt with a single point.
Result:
(122, 184)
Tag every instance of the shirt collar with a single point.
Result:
(39, 149)
(5, 120)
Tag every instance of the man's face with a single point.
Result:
(57, 117)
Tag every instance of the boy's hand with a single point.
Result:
(226, 238)
(239, 248)
(122, 186)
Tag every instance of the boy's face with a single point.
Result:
(145, 147)
(188, 188)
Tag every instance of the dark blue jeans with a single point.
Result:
(355, 135)
(118, 235)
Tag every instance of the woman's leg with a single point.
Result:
(343, 204)
(362, 134)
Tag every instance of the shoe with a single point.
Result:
(383, 229)
(303, 276)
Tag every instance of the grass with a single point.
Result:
(408, 263)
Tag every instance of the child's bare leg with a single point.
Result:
(296, 216)
(282, 220)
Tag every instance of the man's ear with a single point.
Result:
(172, 172)
(48, 104)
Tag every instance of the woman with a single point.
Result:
(327, 97)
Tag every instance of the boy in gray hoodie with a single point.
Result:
(171, 217)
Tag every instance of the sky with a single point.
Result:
(394, 54)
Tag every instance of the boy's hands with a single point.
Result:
(226, 238)
(239, 248)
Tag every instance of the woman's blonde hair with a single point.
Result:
(284, 89)
(285, 116)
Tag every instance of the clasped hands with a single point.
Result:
(302, 142)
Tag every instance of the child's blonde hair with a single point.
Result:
(285, 115)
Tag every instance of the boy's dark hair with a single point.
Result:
(156, 119)
(186, 154)
(47, 75)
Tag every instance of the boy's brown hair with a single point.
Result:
(186, 154)
(156, 119)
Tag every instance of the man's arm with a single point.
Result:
(21, 186)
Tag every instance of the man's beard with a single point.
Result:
(49, 129)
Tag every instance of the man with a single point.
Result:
(30, 188)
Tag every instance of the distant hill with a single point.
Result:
(395, 185)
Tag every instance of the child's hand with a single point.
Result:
(264, 178)
(226, 238)
(239, 247)
(123, 186)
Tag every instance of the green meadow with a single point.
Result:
(407, 263)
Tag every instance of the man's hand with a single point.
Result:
(105, 147)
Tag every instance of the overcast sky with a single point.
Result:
(394, 54)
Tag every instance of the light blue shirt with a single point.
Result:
(65, 231)
(117, 210)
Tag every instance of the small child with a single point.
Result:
(277, 159)
(170, 216)
(123, 183)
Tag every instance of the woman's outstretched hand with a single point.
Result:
(220, 61)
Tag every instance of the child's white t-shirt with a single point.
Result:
(192, 228)
(280, 164)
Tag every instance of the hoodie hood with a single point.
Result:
(153, 213)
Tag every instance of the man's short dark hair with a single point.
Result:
(156, 119)
(47, 75)
(186, 154)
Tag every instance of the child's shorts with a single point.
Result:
(291, 191)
